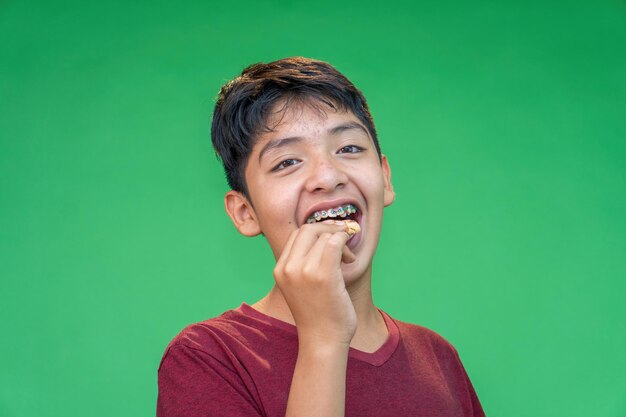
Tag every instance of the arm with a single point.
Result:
(309, 275)
(318, 386)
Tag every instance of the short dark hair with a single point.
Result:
(244, 104)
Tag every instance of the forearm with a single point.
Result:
(318, 386)
(308, 273)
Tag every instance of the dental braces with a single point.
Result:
(341, 211)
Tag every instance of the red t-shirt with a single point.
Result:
(241, 364)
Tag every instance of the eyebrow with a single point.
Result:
(275, 144)
(347, 126)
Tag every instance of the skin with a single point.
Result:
(316, 159)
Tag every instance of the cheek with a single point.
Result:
(277, 213)
(372, 185)
(277, 223)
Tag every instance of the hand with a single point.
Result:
(308, 273)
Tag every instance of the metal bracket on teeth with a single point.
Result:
(341, 211)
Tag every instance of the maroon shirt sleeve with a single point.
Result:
(193, 383)
(473, 407)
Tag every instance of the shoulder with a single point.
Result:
(431, 349)
(415, 336)
(437, 357)
(204, 334)
(234, 336)
(217, 337)
(201, 372)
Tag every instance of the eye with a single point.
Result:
(351, 149)
(285, 164)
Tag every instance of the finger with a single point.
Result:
(350, 228)
(314, 257)
(347, 256)
(317, 252)
(309, 234)
(333, 250)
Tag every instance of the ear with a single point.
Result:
(242, 213)
(388, 194)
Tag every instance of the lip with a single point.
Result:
(331, 204)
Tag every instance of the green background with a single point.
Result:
(505, 125)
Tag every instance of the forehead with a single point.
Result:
(304, 119)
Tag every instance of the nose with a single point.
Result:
(325, 174)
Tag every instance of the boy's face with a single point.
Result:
(315, 160)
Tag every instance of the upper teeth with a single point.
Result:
(341, 211)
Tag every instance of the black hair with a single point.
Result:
(244, 106)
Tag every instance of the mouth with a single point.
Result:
(347, 211)
(343, 212)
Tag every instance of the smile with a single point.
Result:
(346, 211)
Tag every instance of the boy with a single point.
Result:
(303, 162)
